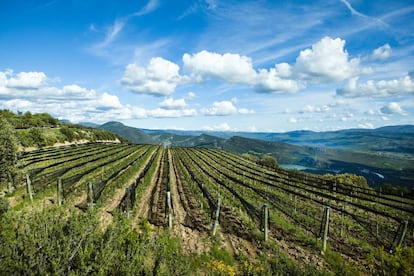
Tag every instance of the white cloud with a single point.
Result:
(17, 104)
(293, 120)
(382, 52)
(191, 95)
(29, 91)
(170, 103)
(112, 32)
(245, 111)
(77, 103)
(392, 108)
(315, 109)
(74, 91)
(225, 108)
(221, 127)
(25, 80)
(151, 6)
(271, 81)
(233, 68)
(366, 125)
(32, 86)
(357, 13)
(370, 112)
(116, 28)
(171, 113)
(382, 88)
(229, 67)
(327, 61)
(159, 78)
(109, 101)
(222, 108)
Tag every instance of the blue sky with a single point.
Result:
(210, 64)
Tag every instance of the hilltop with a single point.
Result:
(41, 130)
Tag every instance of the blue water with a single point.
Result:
(295, 167)
(303, 168)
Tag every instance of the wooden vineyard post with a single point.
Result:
(10, 182)
(265, 221)
(325, 228)
(342, 220)
(216, 217)
(169, 209)
(29, 188)
(294, 202)
(399, 237)
(90, 195)
(376, 217)
(59, 191)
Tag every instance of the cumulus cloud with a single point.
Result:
(24, 80)
(225, 108)
(32, 86)
(228, 67)
(170, 103)
(271, 81)
(108, 101)
(327, 61)
(30, 91)
(159, 78)
(222, 108)
(234, 68)
(77, 103)
(382, 88)
(392, 108)
(382, 52)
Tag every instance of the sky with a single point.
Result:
(268, 66)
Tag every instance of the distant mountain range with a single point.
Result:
(382, 155)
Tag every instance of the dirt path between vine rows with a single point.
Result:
(105, 213)
(144, 201)
(191, 240)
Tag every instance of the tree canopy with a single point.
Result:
(268, 161)
(8, 150)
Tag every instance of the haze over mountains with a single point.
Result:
(382, 155)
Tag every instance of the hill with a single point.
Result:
(387, 160)
(387, 139)
(125, 209)
(130, 133)
(41, 130)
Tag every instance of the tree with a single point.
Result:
(38, 138)
(268, 161)
(8, 153)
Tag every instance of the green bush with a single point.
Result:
(4, 205)
(268, 161)
(400, 262)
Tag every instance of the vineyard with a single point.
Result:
(205, 196)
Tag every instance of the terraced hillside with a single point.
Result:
(206, 196)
